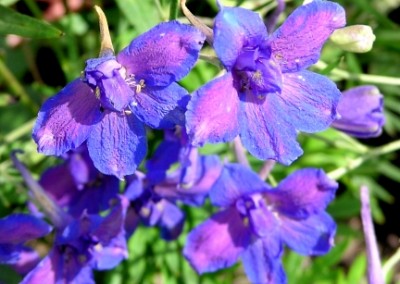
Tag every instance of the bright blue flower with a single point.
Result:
(361, 112)
(118, 95)
(267, 96)
(258, 220)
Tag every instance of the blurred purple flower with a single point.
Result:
(87, 243)
(267, 96)
(77, 186)
(15, 230)
(154, 196)
(361, 112)
(258, 220)
(118, 95)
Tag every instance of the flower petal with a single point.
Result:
(235, 182)
(117, 144)
(311, 236)
(18, 228)
(303, 193)
(65, 120)
(164, 54)
(161, 107)
(212, 113)
(262, 261)
(309, 101)
(54, 269)
(297, 43)
(265, 131)
(235, 28)
(171, 222)
(218, 242)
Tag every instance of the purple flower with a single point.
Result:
(90, 242)
(15, 230)
(155, 194)
(267, 96)
(361, 112)
(258, 220)
(117, 95)
(77, 186)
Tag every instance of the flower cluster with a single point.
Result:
(99, 194)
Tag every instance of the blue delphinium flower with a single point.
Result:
(258, 220)
(88, 243)
(154, 195)
(109, 106)
(15, 230)
(267, 96)
(77, 186)
(82, 243)
(361, 112)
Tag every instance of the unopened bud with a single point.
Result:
(357, 38)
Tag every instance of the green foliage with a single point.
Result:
(12, 22)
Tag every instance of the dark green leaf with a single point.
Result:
(12, 22)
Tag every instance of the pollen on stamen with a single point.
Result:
(97, 93)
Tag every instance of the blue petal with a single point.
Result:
(164, 54)
(18, 228)
(171, 222)
(117, 144)
(262, 261)
(265, 130)
(234, 29)
(161, 108)
(311, 236)
(309, 101)
(235, 182)
(218, 242)
(297, 43)
(303, 193)
(212, 113)
(65, 120)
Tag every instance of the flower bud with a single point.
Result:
(357, 38)
(360, 112)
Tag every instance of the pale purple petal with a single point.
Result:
(218, 242)
(161, 107)
(235, 182)
(262, 261)
(297, 43)
(311, 236)
(164, 54)
(265, 131)
(234, 29)
(117, 145)
(309, 101)
(212, 113)
(303, 193)
(65, 120)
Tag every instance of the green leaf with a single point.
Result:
(12, 22)
(357, 269)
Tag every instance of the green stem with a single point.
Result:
(385, 149)
(16, 87)
(391, 262)
(173, 12)
(20, 131)
(365, 78)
